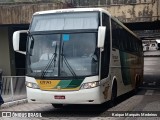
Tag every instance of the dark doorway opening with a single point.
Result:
(18, 58)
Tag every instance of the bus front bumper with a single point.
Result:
(84, 96)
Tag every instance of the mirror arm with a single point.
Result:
(101, 49)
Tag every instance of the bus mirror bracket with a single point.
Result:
(19, 41)
(101, 36)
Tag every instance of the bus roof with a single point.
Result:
(72, 10)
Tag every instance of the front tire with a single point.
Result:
(113, 96)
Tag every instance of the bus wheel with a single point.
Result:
(57, 105)
(114, 95)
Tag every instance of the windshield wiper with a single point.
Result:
(66, 62)
(52, 60)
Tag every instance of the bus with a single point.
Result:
(158, 44)
(91, 57)
(145, 47)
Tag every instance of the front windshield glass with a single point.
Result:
(42, 52)
(62, 55)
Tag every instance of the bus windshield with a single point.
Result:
(62, 55)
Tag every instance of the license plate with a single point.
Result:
(59, 97)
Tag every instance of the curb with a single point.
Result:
(13, 103)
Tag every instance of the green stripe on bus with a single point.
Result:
(75, 83)
(64, 83)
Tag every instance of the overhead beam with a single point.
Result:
(144, 25)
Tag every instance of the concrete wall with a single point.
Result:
(21, 13)
(127, 11)
(158, 6)
(139, 12)
(4, 51)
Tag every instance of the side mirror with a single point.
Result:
(101, 36)
(19, 41)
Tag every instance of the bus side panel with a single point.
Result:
(128, 56)
(115, 71)
(125, 67)
(129, 68)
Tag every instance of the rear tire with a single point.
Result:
(137, 85)
(57, 105)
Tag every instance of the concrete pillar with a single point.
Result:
(158, 9)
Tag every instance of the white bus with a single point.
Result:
(80, 56)
(158, 44)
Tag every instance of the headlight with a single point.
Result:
(32, 85)
(90, 85)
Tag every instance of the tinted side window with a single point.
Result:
(115, 34)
